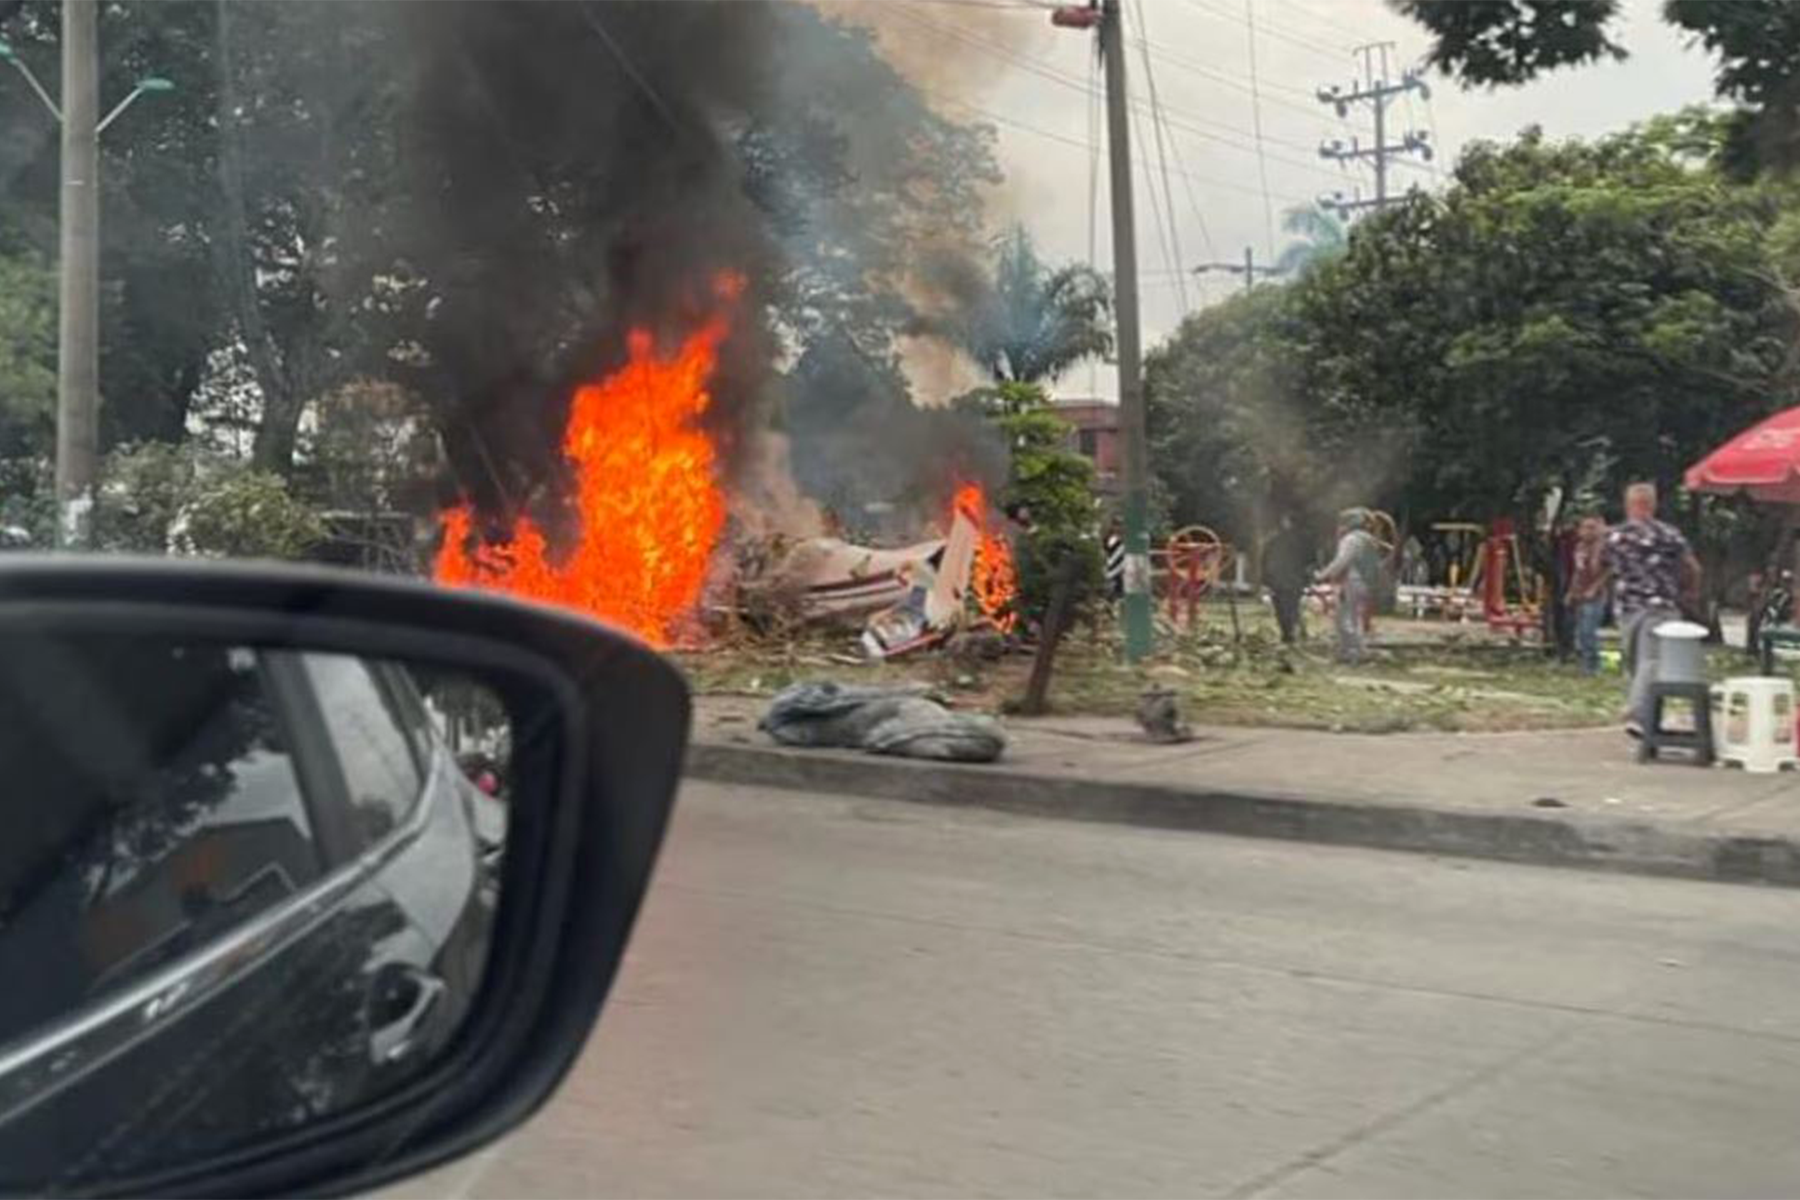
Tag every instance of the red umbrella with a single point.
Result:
(1762, 462)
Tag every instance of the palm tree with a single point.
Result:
(1320, 236)
(1031, 322)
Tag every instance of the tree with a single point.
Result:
(247, 514)
(858, 175)
(1498, 42)
(27, 354)
(157, 498)
(243, 209)
(370, 448)
(1563, 316)
(1239, 438)
(1054, 485)
(858, 439)
(1557, 305)
(1028, 322)
(1318, 235)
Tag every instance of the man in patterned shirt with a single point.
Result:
(1654, 573)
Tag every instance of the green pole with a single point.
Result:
(1136, 455)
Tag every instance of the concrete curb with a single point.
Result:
(1565, 839)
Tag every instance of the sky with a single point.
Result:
(1001, 61)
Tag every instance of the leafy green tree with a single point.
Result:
(342, 191)
(161, 306)
(1499, 42)
(370, 448)
(247, 514)
(1051, 483)
(27, 354)
(244, 211)
(1318, 235)
(1557, 304)
(159, 498)
(855, 172)
(1238, 436)
(1029, 322)
(1564, 316)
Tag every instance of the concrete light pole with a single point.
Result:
(78, 260)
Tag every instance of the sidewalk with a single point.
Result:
(1572, 798)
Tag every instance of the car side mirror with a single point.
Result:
(310, 880)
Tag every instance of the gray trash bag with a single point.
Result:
(830, 714)
(926, 729)
(886, 720)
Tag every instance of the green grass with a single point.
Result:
(1420, 676)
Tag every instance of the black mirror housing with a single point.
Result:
(600, 727)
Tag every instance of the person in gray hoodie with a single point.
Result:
(1356, 570)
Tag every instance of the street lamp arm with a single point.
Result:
(118, 108)
(19, 65)
(152, 83)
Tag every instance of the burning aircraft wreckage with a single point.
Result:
(653, 536)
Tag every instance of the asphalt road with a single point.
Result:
(833, 997)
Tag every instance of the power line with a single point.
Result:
(1331, 23)
(1162, 153)
(1158, 218)
(1093, 134)
(1052, 74)
(1262, 164)
(1187, 186)
(1079, 144)
(1274, 31)
(1093, 197)
(1233, 81)
(1377, 93)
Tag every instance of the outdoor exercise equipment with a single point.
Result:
(1196, 558)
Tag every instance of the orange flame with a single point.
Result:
(992, 580)
(646, 492)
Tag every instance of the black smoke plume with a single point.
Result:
(573, 174)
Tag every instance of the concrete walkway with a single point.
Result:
(1563, 797)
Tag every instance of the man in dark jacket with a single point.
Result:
(1286, 563)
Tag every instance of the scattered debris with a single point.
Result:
(908, 598)
(982, 645)
(1548, 802)
(906, 721)
(1159, 712)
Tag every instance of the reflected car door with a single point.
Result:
(306, 972)
(406, 813)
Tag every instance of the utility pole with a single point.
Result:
(78, 262)
(78, 340)
(1105, 17)
(1377, 92)
(1248, 269)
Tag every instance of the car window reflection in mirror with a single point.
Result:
(242, 889)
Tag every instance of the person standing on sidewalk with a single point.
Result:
(1654, 572)
(1587, 591)
(1356, 570)
(1284, 564)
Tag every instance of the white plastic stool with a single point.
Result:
(1753, 723)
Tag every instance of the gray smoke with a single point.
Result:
(581, 168)
(882, 465)
(573, 175)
